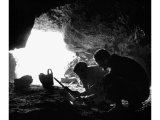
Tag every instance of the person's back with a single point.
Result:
(128, 68)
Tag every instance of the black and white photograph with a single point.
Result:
(79, 60)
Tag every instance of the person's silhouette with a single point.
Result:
(127, 79)
(91, 78)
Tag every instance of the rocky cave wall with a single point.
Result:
(90, 25)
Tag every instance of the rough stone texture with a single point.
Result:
(108, 26)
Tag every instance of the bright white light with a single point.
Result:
(43, 50)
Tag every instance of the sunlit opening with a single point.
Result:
(44, 50)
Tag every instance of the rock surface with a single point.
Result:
(38, 104)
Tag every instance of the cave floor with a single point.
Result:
(37, 103)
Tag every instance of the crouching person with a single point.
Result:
(91, 78)
(47, 80)
(127, 79)
(23, 82)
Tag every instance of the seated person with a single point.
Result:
(127, 79)
(91, 78)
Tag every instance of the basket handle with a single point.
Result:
(50, 71)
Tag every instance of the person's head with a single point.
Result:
(80, 69)
(102, 58)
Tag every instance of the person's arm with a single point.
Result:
(86, 90)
